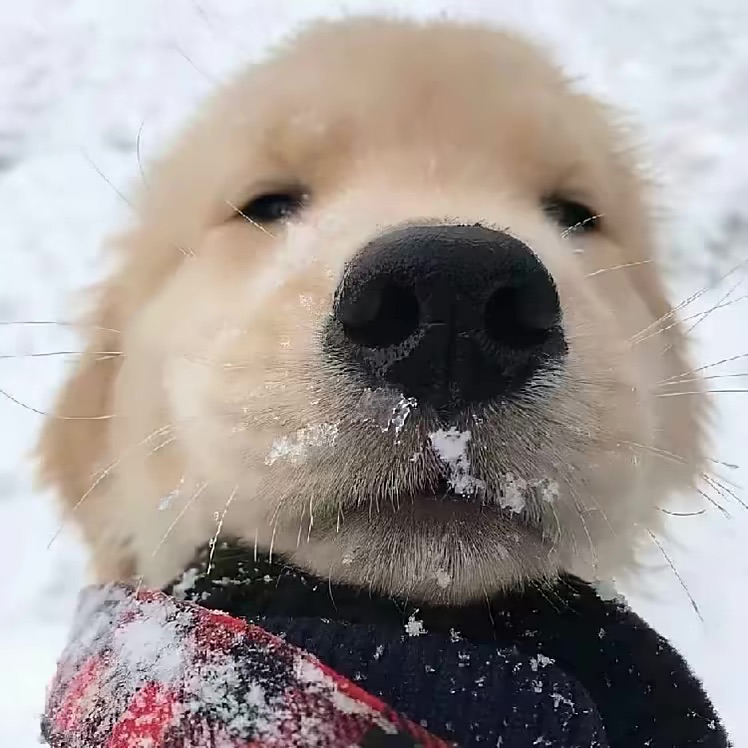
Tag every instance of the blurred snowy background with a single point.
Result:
(87, 85)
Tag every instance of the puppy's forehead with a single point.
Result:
(376, 84)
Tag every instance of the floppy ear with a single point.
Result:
(75, 440)
(76, 449)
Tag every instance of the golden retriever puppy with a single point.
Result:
(390, 309)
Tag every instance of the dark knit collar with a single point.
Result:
(237, 580)
(642, 688)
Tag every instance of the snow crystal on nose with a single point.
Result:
(451, 447)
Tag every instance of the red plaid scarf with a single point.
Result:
(143, 670)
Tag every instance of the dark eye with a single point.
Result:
(571, 215)
(273, 207)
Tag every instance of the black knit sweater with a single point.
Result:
(550, 666)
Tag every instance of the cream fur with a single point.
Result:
(386, 123)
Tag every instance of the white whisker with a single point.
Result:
(298, 535)
(188, 59)
(138, 158)
(735, 391)
(219, 527)
(581, 512)
(676, 573)
(42, 322)
(714, 502)
(311, 520)
(698, 316)
(179, 516)
(722, 300)
(573, 229)
(249, 220)
(670, 513)
(163, 444)
(111, 184)
(39, 412)
(104, 473)
(689, 300)
(617, 267)
(125, 199)
(674, 382)
(101, 355)
(272, 542)
(675, 457)
(723, 490)
(709, 366)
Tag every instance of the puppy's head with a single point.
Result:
(390, 309)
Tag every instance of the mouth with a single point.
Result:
(441, 505)
(393, 514)
(445, 490)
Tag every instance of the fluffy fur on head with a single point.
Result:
(227, 409)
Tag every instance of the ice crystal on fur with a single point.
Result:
(387, 409)
(296, 449)
(451, 447)
(549, 490)
(513, 493)
(400, 413)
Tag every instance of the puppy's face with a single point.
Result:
(392, 306)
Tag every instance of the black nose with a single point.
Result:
(450, 315)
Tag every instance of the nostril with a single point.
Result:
(383, 314)
(454, 316)
(522, 317)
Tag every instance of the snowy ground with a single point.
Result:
(79, 79)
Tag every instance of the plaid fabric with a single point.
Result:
(143, 670)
